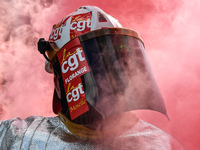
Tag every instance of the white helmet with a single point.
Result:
(83, 20)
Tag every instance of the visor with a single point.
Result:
(105, 72)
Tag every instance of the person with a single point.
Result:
(101, 74)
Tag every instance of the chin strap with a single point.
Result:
(77, 129)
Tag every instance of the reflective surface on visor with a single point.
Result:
(121, 76)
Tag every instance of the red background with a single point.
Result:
(171, 34)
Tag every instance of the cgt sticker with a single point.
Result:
(80, 24)
(76, 98)
(57, 29)
(73, 65)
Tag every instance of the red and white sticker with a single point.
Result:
(80, 24)
(58, 29)
(73, 65)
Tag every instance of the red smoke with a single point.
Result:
(171, 33)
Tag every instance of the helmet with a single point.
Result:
(84, 19)
(100, 68)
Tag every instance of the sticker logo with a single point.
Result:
(73, 65)
(57, 29)
(76, 98)
(80, 24)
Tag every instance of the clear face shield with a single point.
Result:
(102, 73)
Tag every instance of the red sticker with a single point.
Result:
(57, 30)
(76, 98)
(80, 24)
(73, 65)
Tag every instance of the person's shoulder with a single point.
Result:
(150, 135)
(11, 128)
(32, 131)
(19, 121)
(18, 124)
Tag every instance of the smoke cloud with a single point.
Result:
(25, 87)
(170, 30)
